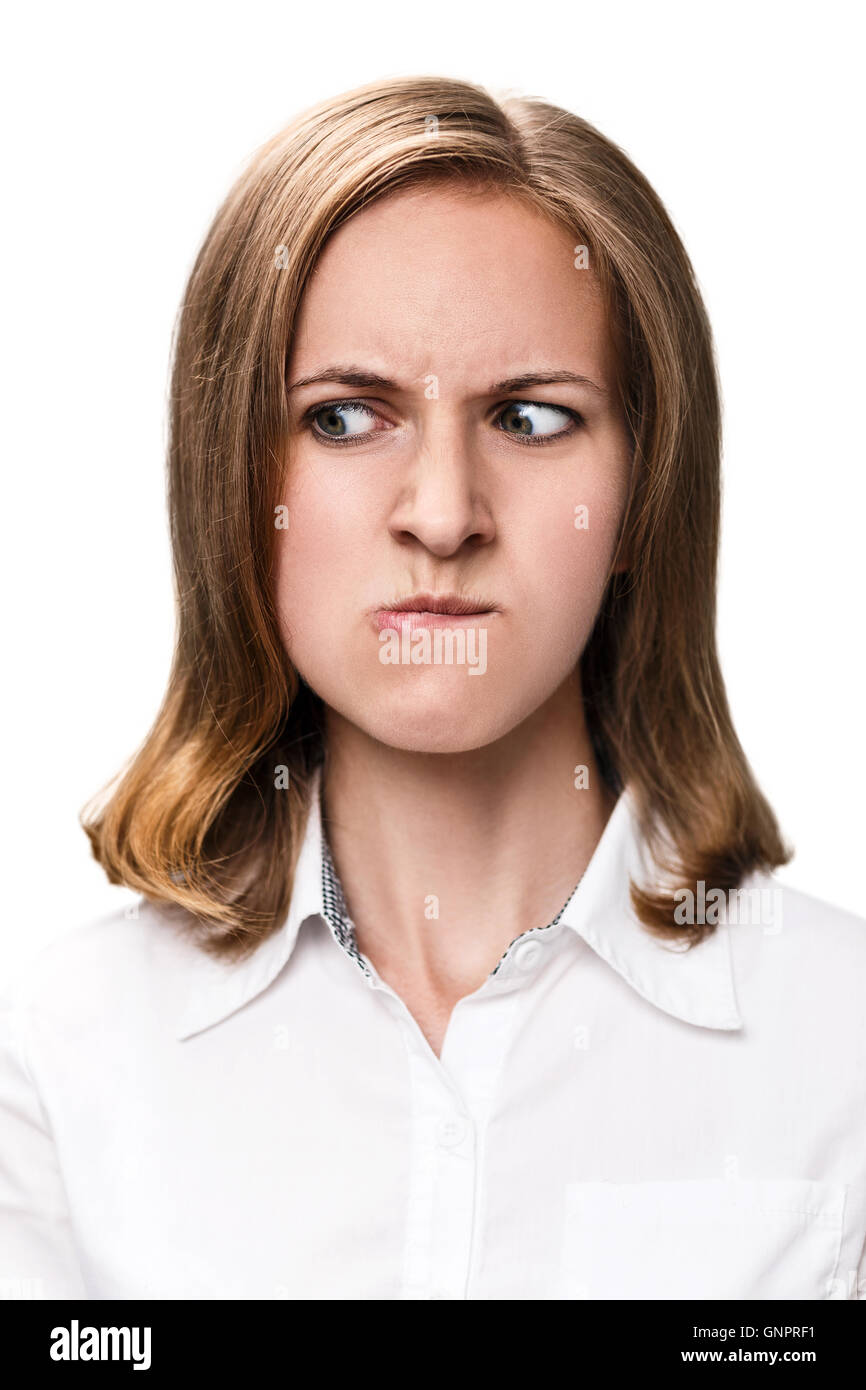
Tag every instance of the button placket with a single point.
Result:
(451, 1130)
(442, 1182)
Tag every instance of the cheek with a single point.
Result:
(564, 554)
(314, 544)
(306, 565)
(325, 560)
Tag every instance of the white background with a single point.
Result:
(123, 132)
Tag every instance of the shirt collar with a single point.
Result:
(695, 985)
(219, 987)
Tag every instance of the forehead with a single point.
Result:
(456, 281)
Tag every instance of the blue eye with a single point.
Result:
(535, 421)
(336, 425)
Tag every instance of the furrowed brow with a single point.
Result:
(357, 376)
(350, 376)
(529, 379)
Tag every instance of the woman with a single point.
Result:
(459, 970)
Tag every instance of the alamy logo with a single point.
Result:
(442, 647)
(76, 1343)
(739, 906)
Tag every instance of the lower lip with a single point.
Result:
(388, 618)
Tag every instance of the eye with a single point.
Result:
(340, 421)
(537, 422)
(531, 422)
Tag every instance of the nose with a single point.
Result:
(441, 506)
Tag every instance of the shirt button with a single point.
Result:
(450, 1131)
(527, 954)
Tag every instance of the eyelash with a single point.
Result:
(541, 440)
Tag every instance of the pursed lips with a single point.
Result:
(433, 610)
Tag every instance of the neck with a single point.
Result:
(446, 858)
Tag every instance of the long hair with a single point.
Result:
(209, 815)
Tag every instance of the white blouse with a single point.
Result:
(610, 1117)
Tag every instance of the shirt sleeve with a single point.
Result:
(37, 1249)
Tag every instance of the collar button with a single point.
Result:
(528, 954)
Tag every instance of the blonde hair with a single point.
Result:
(196, 820)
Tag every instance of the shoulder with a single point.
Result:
(104, 968)
(800, 948)
(797, 919)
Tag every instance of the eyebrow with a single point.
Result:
(356, 376)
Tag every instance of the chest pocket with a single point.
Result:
(734, 1239)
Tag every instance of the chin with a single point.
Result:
(446, 720)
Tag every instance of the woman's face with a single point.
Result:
(423, 463)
